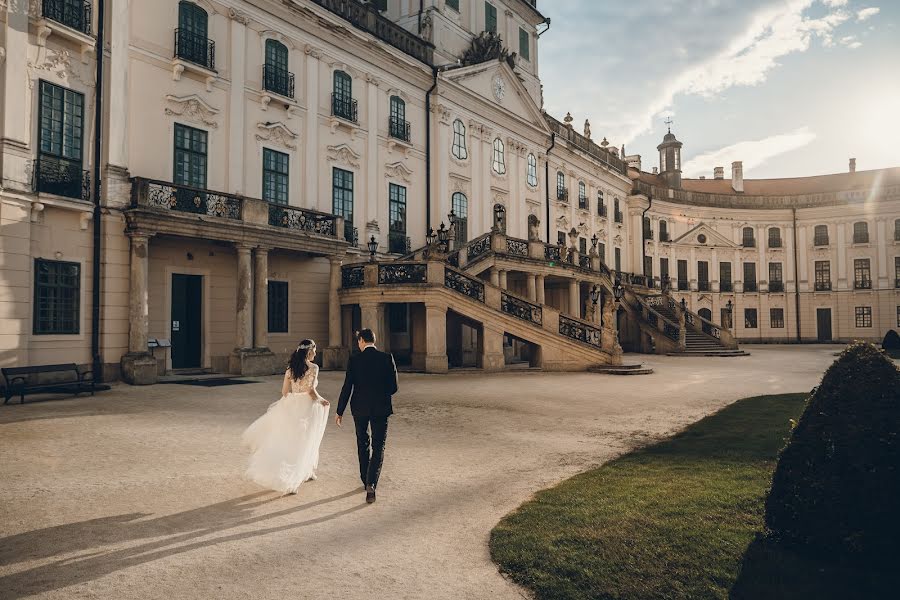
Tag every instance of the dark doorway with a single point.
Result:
(186, 326)
(823, 324)
(705, 313)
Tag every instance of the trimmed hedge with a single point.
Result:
(836, 489)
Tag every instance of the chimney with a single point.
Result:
(719, 173)
(737, 176)
(853, 165)
(655, 170)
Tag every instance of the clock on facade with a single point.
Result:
(499, 88)
(701, 238)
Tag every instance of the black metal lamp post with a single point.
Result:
(443, 235)
(594, 241)
(618, 290)
(373, 247)
(683, 304)
(728, 308)
(499, 211)
(595, 294)
(430, 237)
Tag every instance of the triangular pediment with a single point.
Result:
(710, 238)
(495, 83)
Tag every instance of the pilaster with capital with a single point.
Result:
(261, 298)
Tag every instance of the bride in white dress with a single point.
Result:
(284, 442)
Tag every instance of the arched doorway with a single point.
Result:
(705, 313)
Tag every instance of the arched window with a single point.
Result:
(342, 103)
(860, 232)
(582, 196)
(774, 237)
(499, 162)
(459, 140)
(663, 231)
(748, 240)
(398, 126)
(561, 192)
(276, 77)
(460, 205)
(820, 238)
(191, 38)
(648, 231)
(531, 176)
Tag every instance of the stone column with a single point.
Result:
(574, 299)
(138, 365)
(334, 356)
(495, 276)
(492, 357)
(261, 298)
(419, 340)
(539, 284)
(371, 314)
(436, 323)
(532, 287)
(503, 279)
(244, 286)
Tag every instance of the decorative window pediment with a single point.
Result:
(277, 133)
(343, 154)
(193, 108)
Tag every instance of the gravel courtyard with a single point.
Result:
(137, 492)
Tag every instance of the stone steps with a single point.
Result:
(621, 369)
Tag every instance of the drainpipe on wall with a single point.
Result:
(96, 358)
(796, 276)
(547, 183)
(644, 236)
(434, 74)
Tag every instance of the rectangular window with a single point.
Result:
(863, 316)
(703, 275)
(57, 297)
(61, 116)
(749, 277)
(601, 250)
(275, 176)
(582, 246)
(862, 274)
(750, 318)
(776, 318)
(648, 266)
(490, 17)
(618, 259)
(278, 307)
(897, 272)
(823, 276)
(663, 268)
(524, 44)
(190, 156)
(821, 235)
(682, 275)
(861, 233)
(776, 281)
(397, 218)
(342, 199)
(725, 284)
(560, 238)
(454, 4)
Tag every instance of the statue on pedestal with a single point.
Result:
(534, 228)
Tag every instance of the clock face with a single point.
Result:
(499, 88)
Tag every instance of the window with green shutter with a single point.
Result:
(275, 176)
(190, 156)
(524, 44)
(490, 17)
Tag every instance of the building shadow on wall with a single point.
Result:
(182, 530)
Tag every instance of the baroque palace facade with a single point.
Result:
(272, 170)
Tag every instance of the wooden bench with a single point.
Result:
(18, 381)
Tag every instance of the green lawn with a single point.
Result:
(676, 520)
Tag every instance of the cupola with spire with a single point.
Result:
(670, 158)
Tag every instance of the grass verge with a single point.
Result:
(679, 519)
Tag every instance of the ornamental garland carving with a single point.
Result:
(343, 154)
(398, 170)
(277, 133)
(239, 17)
(193, 108)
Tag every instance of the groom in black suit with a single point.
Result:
(370, 382)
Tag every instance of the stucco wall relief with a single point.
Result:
(192, 108)
(344, 154)
(277, 133)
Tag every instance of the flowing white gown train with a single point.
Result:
(284, 442)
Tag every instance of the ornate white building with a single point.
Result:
(251, 151)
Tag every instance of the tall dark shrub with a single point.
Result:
(836, 489)
(891, 341)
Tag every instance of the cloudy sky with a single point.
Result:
(790, 87)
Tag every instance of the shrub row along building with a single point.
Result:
(254, 154)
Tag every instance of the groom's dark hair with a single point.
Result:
(366, 335)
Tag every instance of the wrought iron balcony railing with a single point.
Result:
(897, 283)
(702, 286)
(562, 194)
(863, 284)
(74, 14)
(398, 243)
(366, 17)
(61, 177)
(726, 286)
(278, 81)
(601, 210)
(399, 129)
(301, 219)
(345, 108)
(619, 217)
(775, 243)
(750, 286)
(860, 238)
(683, 285)
(776, 286)
(664, 236)
(583, 202)
(749, 243)
(823, 286)
(194, 48)
(820, 241)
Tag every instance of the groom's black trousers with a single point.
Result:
(370, 465)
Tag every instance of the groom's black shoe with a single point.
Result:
(370, 494)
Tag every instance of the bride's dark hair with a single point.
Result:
(298, 364)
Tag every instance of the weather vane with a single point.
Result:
(668, 123)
